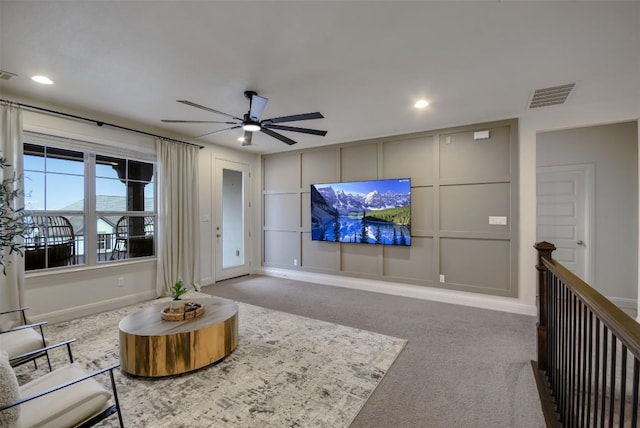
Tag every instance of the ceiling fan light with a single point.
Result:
(251, 127)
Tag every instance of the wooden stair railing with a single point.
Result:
(588, 366)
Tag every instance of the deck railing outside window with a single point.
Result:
(107, 250)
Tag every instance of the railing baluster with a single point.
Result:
(623, 382)
(634, 400)
(556, 341)
(605, 336)
(583, 383)
(589, 369)
(596, 371)
(551, 334)
(570, 361)
(575, 347)
(565, 355)
(612, 396)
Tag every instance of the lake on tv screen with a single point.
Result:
(362, 212)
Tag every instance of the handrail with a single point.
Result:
(583, 344)
(625, 327)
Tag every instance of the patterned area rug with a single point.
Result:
(287, 371)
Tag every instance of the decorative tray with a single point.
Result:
(185, 312)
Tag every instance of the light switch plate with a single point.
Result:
(481, 135)
(494, 219)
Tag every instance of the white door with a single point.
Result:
(564, 215)
(232, 220)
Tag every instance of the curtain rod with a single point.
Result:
(97, 122)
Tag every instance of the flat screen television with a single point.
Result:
(362, 212)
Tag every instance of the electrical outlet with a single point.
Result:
(295, 262)
(442, 278)
(121, 282)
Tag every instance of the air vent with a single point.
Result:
(551, 96)
(5, 75)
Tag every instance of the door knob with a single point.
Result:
(580, 242)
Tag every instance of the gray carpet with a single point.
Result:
(287, 371)
(461, 367)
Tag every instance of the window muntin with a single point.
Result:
(54, 178)
(123, 188)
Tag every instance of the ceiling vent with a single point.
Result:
(551, 96)
(5, 75)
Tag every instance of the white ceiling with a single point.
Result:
(361, 63)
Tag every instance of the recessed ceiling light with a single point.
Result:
(42, 79)
(421, 104)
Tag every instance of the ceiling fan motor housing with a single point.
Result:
(249, 94)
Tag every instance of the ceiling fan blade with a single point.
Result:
(296, 129)
(258, 104)
(189, 103)
(246, 141)
(195, 121)
(218, 131)
(293, 118)
(280, 137)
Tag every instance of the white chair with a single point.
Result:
(66, 397)
(23, 339)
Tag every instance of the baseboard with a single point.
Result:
(93, 308)
(546, 399)
(622, 302)
(496, 303)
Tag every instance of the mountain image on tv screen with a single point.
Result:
(362, 212)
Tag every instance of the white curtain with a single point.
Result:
(178, 213)
(12, 284)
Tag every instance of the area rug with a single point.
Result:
(287, 371)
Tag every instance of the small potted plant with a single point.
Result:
(177, 290)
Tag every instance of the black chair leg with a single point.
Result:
(115, 398)
(44, 345)
(48, 361)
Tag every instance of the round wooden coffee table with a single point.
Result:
(153, 347)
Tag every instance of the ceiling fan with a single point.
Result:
(251, 122)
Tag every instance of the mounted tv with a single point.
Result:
(362, 212)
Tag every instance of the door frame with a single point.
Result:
(588, 170)
(221, 273)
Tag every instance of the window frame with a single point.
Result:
(90, 213)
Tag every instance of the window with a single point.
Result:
(84, 207)
(104, 242)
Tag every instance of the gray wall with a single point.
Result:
(613, 149)
(457, 183)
